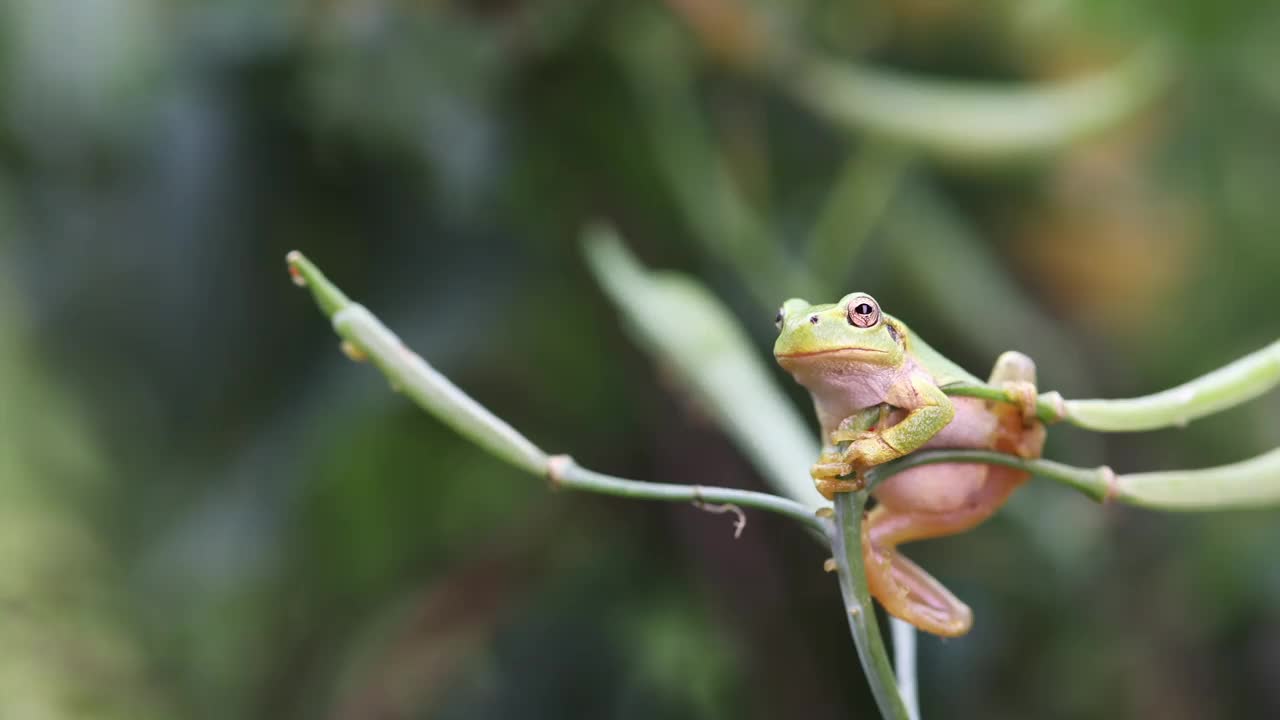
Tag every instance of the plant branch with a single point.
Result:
(367, 338)
(1049, 406)
(410, 374)
(1097, 483)
(1228, 386)
(858, 606)
(565, 473)
(1249, 484)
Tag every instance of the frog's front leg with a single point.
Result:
(831, 468)
(929, 410)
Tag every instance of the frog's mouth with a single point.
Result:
(853, 351)
(860, 354)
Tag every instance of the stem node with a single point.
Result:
(1109, 481)
(557, 467)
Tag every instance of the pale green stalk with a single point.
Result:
(1049, 406)
(369, 339)
(410, 374)
(564, 472)
(1249, 484)
(1228, 386)
(904, 664)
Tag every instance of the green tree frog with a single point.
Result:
(852, 358)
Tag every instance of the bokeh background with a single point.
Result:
(207, 512)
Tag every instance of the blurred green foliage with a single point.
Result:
(208, 512)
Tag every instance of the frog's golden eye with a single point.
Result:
(778, 320)
(863, 311)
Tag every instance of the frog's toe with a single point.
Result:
(1013, 366)
(829, 487)
(1025, 396)
(909, 593)
(829, 468)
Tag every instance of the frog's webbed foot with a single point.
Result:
(909, 593)
(1015, 373)
(904, 589)
(839, 461)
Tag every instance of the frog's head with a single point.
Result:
(843, 337)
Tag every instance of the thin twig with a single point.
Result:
(566, 473)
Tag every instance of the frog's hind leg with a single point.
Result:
(904, 588)
(908, 592)
(1016, 374)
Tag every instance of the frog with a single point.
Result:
(853, 358)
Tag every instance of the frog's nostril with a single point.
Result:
(813, 319)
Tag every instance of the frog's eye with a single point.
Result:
(778, 320)
(863, 311)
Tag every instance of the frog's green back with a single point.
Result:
(944, 371)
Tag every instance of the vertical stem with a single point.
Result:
(847, 544)
(904, 661)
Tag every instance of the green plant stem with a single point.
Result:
(565, 473)
(1049, 406)
(1097, 483)
(1246, 485)
(410, 374)
(1228, 386)
(433, 392)
(847, 548)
